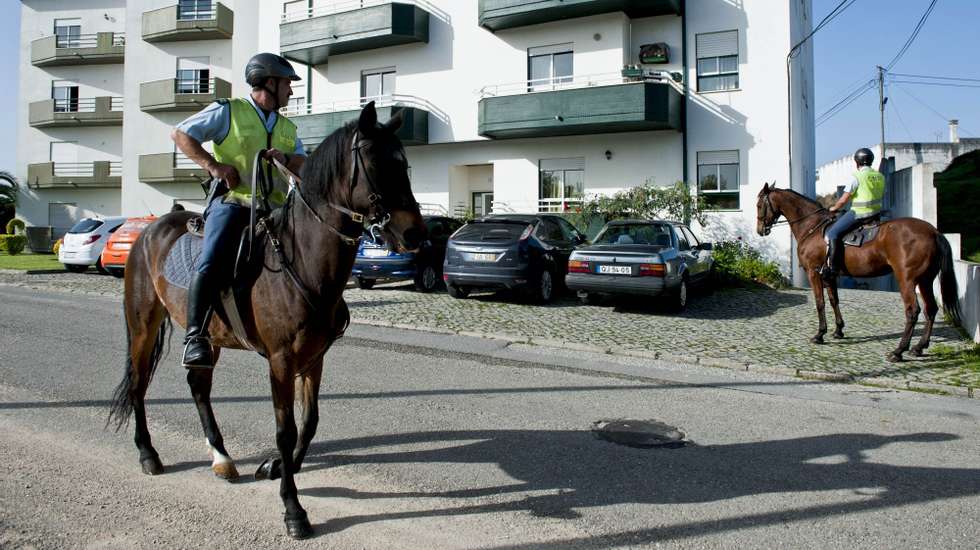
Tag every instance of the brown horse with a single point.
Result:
(296, 309)
(910, 248)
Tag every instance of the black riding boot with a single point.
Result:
(197, 343)
(829, 271)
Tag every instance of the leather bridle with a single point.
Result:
(767, 226)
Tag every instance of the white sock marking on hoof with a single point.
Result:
(216, 456)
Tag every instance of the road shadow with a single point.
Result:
(580, 472)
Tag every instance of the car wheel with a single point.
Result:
(543, 289)
(458, 292)
(100, 268)
(678, 301)
(589, 298)
(75, 268)
(426, 279)
(117, 272)
(365, 284)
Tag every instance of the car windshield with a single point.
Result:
(647, 234)
(490, 231)
(86, 226)
(135, 225)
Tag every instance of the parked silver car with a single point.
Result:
(641, 257)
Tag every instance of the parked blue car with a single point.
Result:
(375, 261)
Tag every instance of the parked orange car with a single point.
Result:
(116, 250)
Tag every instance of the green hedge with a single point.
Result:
(736, 262)
(12, 244)
(15, 225)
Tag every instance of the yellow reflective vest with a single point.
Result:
(867, 199)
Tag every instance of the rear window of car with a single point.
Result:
(86, 226)
(137, 225)
(490, 232)
(645, 234)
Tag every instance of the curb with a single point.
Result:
(705, 361)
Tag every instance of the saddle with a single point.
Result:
(863, 232)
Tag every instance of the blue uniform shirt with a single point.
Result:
(214, 121)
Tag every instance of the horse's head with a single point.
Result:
(379, 181)
(766, 212)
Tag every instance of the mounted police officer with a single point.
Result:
(865, 192)
(239, 128)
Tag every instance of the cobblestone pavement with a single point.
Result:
(733, 328)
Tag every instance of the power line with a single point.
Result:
(911, 38)
(844, 103)
(943, 84)
(795, 50)
(901, 120)
(934, 77)
(934, 111)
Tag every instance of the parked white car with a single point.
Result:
(82, 245)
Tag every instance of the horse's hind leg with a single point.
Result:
(907, 289)
(931, 307)
(835, 305)
(199, 381)
(816, 282)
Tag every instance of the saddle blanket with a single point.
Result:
(861, 235)
(179, 266)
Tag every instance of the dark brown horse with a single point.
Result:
(296, 310)
(912, 249)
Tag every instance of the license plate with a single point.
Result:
(375, 252)
(483, 257)
(615, 269)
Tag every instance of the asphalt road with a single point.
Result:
(432, 441)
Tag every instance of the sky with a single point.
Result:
(846, 52)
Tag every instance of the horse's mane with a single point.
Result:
(802, 196)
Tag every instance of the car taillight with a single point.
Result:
(445, 278)
(653, 270)
(578, 266)
(526, 233)
(91, 239)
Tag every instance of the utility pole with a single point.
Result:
(881, 107)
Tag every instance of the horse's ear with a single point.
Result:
(395, 122)
(369, 119)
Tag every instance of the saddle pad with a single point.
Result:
(861, 235)
(179, 266)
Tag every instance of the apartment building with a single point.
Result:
(510, 105)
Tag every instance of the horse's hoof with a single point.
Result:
(225, 470)
(839, 334)
(299, 527)
(152, 466)
(916, 352)
(895, 357)
(818, 339)
(269, 469)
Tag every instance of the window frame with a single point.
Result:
(382, 73)
(71, 39)
(718, 74)
(711, 195)
(554, 81)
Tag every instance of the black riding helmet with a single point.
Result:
(864, 157)
(268, 65)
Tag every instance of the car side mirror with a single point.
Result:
(580, 239)
(706, 246)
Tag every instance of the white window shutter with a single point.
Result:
(717, 44)
(717, 157)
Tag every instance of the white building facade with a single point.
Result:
(510, 105)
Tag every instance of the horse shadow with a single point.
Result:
(584, 472)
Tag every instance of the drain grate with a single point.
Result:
(643, 434)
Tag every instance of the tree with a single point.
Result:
(648, 201)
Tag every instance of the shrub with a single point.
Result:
(56, 247)
(15, 226)
(649, 201)
(12, 244)
(737, 263)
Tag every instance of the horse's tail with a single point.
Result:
(123, 396)
(947, 281)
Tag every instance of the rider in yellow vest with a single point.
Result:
(239, 129)
(865, 193)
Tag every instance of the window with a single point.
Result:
(193, 75)
(65, 96)
(718, 179)
(195, 9)
(377, 83)
(571, 234)
(717, 61)
(548, 67)
(68, 33)
(644, 234)
(562, 182)
(690, 237)
(549, 231)
(296, 105)
(682, 242)
(482, 203)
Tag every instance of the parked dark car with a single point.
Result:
(641, 257)
(375, 261)
(528, 252)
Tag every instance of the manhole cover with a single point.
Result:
(644, 434)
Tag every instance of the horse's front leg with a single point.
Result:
(907, 289)
(835, 305)
(311, 412)
(199, 381)
(816, 282)
(283, 393)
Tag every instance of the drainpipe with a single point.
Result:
(687, 87)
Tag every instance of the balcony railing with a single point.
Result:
(557, 205)
(315, 122)
(181, 22)
(176, 94)
(92, 111)
(581, 104)
(85, 49)
(100, 173)
(170, 168)
(497, 15)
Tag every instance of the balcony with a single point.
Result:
(174, 24)
(172, 94)
(75, 175)
(311, 36)
(594, 104)
(86, 49)
(497, 15)
(71, 113)
(170, 168)
(315, 122)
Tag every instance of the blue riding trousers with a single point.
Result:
(844, 222)
(222, 233)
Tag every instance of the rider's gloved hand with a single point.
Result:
(227, 173)
(276, 154)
